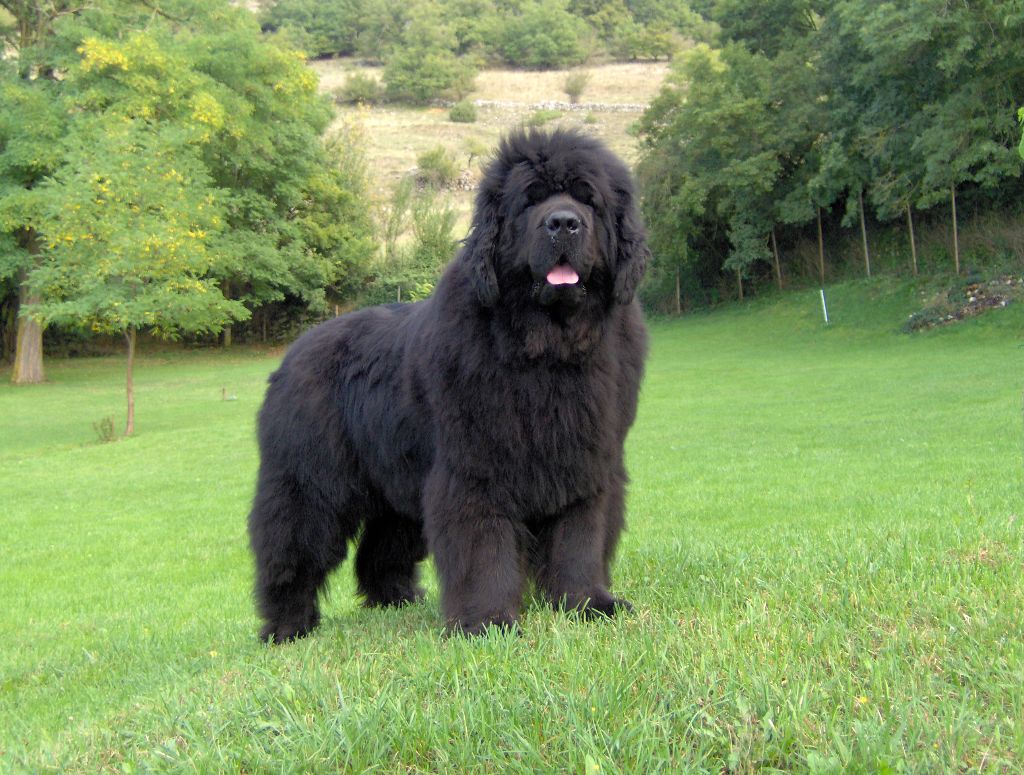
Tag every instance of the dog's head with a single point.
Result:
(556, 218)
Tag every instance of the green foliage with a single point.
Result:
(426, 67)
(543, 34)
(321, 27)
(542, 116)
(360, 89)
(408, 271)
(574, 85)
(127, 238)
(199, 143)
(437, 167)
(809, 106)
(463, 112)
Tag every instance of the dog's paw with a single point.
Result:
(288, 629)
(502, 624)
(600, 604)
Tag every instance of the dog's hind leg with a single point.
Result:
(386, 561)
(297, 538)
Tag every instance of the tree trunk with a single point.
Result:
(225, 288)
(129, 427)
(739, 282)
(28, 352)
(956, 238)
(679, 301)
(778, 266)
(8, 326)
(864, 233)
(821, 251)
(913, 242)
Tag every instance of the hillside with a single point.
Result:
(396, 135)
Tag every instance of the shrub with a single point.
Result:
(421, 75)
(463, 112)
(411, 271)
(360, 88)
(574, 85)
(437, 168)
(320, 27)
(543, 116)
(544, 35)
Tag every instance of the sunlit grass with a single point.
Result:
(826, 554)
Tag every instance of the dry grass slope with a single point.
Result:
(396, 135)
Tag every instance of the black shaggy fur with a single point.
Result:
(485, 424)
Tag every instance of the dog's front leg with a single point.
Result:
(570, 559)
(477, 552)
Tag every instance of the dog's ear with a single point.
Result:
(632, 252)
(481, 251)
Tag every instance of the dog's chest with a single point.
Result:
(541, 438)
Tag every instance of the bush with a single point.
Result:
(411, 271)
(421, 75)
(361, 89)
(542, 116)
(321, 27)
(437, 168)
(544, 36)
(463, 112)
(574, 85)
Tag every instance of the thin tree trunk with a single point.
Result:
(129, 336)
(821, 251)
(739, 282)
(913, 242)
(28, 350)
(956, 237)
(778, 266)
(864, 233)
(679, 301)
(225, 288)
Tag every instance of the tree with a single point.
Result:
(426, 67)
(724, 144)
(543, 35)
(129, 220)
(768, 26)
(30, 125)
(200, 76)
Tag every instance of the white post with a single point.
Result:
(824, 307)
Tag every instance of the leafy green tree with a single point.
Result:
(721, 144)
(31, 124)
(767, 26)
(129, 224)
(319, 27)
(426, 67)
(542, 35)
(200, 78)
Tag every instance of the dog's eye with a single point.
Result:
(581, 192)
(536, 192)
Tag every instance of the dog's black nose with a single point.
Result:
(562, 221)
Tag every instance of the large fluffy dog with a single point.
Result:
(485, 424)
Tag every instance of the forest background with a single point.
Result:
(173, 169)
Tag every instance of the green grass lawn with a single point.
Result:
(826, 555)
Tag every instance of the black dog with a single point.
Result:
(485, 424)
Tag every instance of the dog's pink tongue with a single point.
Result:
(563, 274)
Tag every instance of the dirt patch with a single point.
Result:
(966, 301)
